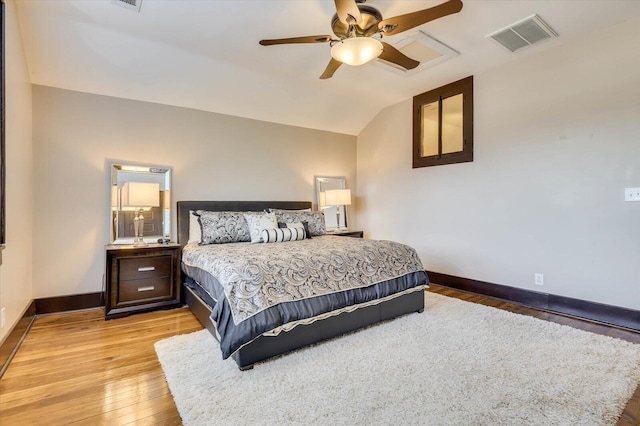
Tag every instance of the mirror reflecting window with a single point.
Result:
(324, 184)
(140, 191)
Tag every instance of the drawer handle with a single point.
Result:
(149, 288)
(146, 268)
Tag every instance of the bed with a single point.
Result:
(323, 306)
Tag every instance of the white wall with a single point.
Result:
(214, 156)
(15, 272)
(557, 139)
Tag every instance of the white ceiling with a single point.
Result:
(204, 54)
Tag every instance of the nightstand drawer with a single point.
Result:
(139, 290)
(145, 267)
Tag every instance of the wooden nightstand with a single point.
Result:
(141, 279)
(347, 233)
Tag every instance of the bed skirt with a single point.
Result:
(265, 347)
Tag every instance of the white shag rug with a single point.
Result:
(457, 363)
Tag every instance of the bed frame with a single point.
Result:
(265, 347)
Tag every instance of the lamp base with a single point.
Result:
(337, 218)
(140, 243)
(138, 225)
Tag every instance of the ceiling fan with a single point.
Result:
(360, 28)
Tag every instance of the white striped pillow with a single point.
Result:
(278, 235)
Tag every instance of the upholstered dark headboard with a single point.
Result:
(234, 206)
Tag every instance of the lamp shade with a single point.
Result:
(356, 50)
(140, 194)
(338, 197)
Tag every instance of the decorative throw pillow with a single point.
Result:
(195, 232)
(259, 221)
(315, 219)
(305, 225)
(299, 227)
(278, 235)
(223, 227)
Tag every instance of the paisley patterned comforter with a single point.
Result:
(259, 287)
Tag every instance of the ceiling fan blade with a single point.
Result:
(331, 68)
(401, 23)
(391, 54)
(292, 40)
(348, 11)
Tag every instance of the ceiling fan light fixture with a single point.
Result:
(356, 51)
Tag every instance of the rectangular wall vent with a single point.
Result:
(524, 33)
(423, 48)
(129, 4)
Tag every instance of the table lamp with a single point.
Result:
(140, 196)
(338, 197)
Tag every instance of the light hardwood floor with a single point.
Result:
(78, 369)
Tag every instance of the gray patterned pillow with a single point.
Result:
(223, 227)
(315, 220)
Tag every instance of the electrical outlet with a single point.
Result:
(2, 318)
(539, 279)
(632, 194)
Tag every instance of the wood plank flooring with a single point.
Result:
(77, 369)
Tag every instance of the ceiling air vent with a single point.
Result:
(524, 33)
(423, 48)
(129, 4)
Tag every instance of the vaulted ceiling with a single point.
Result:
(204, 54)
